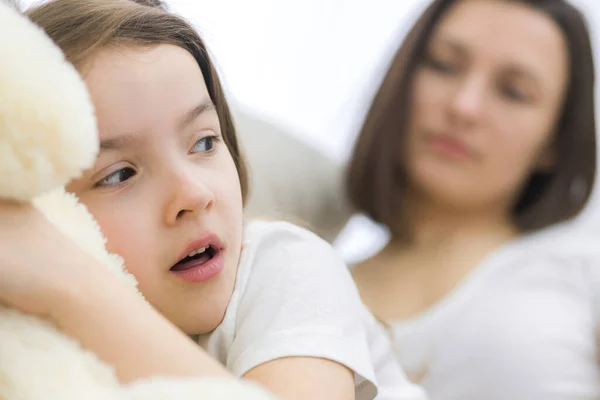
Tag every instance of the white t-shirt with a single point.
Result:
(522, 326)
(294, 296)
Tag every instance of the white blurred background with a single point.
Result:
(313, 66)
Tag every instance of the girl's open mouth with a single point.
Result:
(200, 265)
(195, 258)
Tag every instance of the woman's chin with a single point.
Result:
(450, 192)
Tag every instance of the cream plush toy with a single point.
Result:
(48, 136)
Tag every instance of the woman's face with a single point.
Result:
(485, 102)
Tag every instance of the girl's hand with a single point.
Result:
(39, 265)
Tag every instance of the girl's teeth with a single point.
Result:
(200, 250)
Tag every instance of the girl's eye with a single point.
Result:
(117, 177)
(205, 145)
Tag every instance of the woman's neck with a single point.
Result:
(433, 226)
(409, 276)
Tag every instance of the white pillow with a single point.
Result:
(290, 180)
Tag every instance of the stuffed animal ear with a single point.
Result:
(48, 131)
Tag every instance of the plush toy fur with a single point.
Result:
(47, 137)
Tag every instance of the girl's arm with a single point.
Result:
(301, 329)
(43, 272)
(300, 378)
(114, 322)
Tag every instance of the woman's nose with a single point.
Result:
(468, 99)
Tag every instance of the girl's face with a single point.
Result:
(485, 103)
(164, 189)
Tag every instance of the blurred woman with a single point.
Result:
(481, 138)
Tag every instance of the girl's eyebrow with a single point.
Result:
(190, 116)
(121, 142)
(127, 141)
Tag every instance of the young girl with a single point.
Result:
(269, 301)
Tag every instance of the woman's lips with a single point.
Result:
(449, 147)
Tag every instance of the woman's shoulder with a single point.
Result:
(562, 264)
(561, 246)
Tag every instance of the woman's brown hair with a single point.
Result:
(81, 27)
(375, 180)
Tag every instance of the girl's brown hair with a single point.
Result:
(376, 181)
(81, 27)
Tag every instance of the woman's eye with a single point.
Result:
(117, 177)
(205, 145)
(442, 66)
(514, 93)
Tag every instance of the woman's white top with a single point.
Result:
(522, 326)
